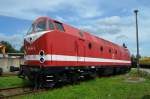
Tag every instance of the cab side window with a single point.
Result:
(110, 50)
(59, 26)
(101, 48)
(51, 25)
(90, 46)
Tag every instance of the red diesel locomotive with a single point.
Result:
(56, 53)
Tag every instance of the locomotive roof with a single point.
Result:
(96, 39)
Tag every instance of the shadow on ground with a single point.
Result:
(146, 97)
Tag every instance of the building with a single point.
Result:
(11, 59)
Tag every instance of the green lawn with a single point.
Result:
(10, 81)
(114, 87)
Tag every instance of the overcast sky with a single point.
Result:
(113, 20)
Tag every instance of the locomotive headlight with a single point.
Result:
(41, 53)
(42, 60)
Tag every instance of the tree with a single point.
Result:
(22, 49)
(9, 48)
(134, 61)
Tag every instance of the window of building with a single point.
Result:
(90, 45)
(51, 25)
(59, 26)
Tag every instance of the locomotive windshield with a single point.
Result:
(40, 26)
(30, 31)
(37, 27)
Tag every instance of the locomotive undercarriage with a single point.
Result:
(49, 77)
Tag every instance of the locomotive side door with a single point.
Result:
(80, 52)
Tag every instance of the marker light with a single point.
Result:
(42, 60)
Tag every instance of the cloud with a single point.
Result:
(84, 9)
(106, 25)
(114, 21)
(60, 19)
(31, 9)
(110, 21)
(16, 40)
(27, 9)
(103, 30)
(121, 37)
(121, 29)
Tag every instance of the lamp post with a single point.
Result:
(137, 40)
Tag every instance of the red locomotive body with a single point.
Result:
(56, 48)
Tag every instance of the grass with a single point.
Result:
(114, 87)
(11, 81)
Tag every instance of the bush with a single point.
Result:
(144, 74)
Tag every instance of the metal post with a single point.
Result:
(137, 41)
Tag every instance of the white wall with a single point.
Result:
(5, 63)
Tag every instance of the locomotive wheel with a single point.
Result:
(93, 75)
(63, 79)
(116, 70)
(107, 71)
(90, 75)
(73, 77)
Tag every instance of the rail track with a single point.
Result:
(17, 91)
(8, 74)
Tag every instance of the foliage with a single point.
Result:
(134, 73)
(22, 49)
(9, 47)
(134, 61)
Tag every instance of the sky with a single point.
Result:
(113, 20)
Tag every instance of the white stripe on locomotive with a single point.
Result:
(73, 58)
